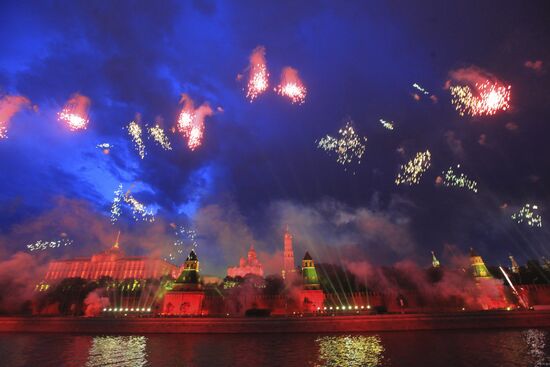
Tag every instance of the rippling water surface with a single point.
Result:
(408, 349)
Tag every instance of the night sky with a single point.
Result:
(259, 168)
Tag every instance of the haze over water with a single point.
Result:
(528, 347)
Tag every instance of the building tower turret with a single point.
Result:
(288, 259)
(435, 262)
(189, 277)
(309, 274)
(515, 266)
(479, 270)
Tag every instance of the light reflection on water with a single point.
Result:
(351, 351)
(118, 351)
(463, 348)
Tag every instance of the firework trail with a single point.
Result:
(116, 205)
(135, 132)
(528, 214)
(348, 146)
(411, 173)
(9, 106)
(258, 79)
(45, 245)
(75, 112)
(291, 86)
(387, 124)
(139, 211)
(157, 134)
(451, 179)
(191, 121)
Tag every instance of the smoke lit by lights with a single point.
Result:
(191, 121)
(9, 106)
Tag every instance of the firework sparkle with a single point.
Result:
(411, 172)
(45, 245)
(158, 135)
(75, 112)
(135, 132)
(258, 79)
(528, 214)
(291, 86)
(485, 99)
(387, 124)
(452, 179)
(348, 146)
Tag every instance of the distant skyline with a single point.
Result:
(259, 168)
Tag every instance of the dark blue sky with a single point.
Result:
(259, 168)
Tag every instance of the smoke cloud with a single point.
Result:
(9, 106)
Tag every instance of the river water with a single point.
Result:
(479, 348)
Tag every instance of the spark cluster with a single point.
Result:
(135, 132)
(191, 121)
(258, 78)
(3, 131)
(258, 81)
(186, 238)
(291, 86)
(157, 133)
(139, 211)
(348, 146)
(387, 124)
(450, 178)
(411, 172)
(528, 214)
(44, 245)
(484, 100)
(116, 205)
(73, 120)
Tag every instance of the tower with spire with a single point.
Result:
(288, 255)
(435, 262)
(185, 296)
(479, 270)
(515, 266)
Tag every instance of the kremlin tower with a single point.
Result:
(479, 270)
(312, 297)
(186, 296)
(288, 256)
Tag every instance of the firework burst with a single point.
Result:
(157, 134)
(116, 205)
(258, 79)
(348, 146)
(528, 214)
(186, 238)
(139, 211)
(411, 173)
(452, 179)
(135, 132)
(291, 86)
(387, 124)
(419, 88)
(75, 112)
(485, 99)
(191, 121)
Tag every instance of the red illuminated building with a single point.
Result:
(250, 265)
(110, 263)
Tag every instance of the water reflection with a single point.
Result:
(118, 351)
(347, 350)
(536, 343)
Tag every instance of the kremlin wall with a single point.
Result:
(141, 286)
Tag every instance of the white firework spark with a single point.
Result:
(528, 214)
(450, 178)
(159, 136)
(349, 146)
(135, 132)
